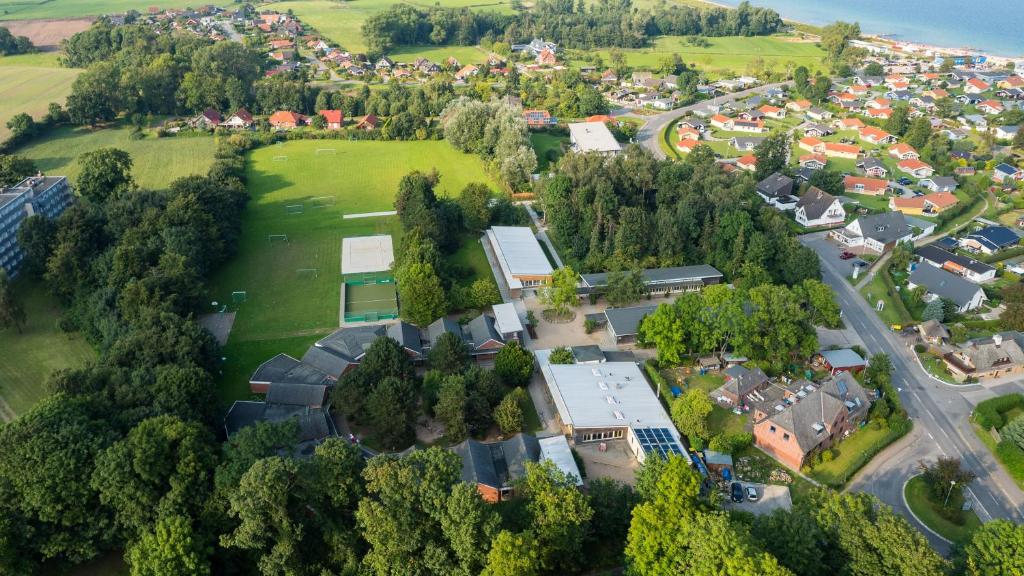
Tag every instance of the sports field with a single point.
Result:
(157, 161)
(727, 55)
(363, 301)
(28, 83)
(28, 358)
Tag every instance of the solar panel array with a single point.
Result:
(657, 440)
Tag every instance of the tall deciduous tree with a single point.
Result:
(105, 173)
(451, 408)
(12, 313)
(560, 294)
(690, 412)
(421, 296)
(170, 548)
(513, 555)
(772, 155)
(514, 364)
(560, 515)
(14, 169)
(624, 287)
(449, 354)
(995, 549)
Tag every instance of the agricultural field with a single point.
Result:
(286, 310)
(59, 9)
(729, 55)
(47, 34)
(342, 21)
(39, 350)
(28, 83)
(157, 161)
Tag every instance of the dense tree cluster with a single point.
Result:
(11, 44)
(405, 24)
(565, 94)
(497, 132)
(634, 209)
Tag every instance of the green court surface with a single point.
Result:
(369, 302)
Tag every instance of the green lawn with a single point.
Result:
(32, 9)
(28, 84)
(283, 308)
(531, 422)
(157, 161)
(893, 311)
(34, 60)
(548, 148)
(472, 258)
(729, 55)
(936, 367)
(28, 358)
(919, 498)
(439, 54)
(850, 454)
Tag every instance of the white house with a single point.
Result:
(817, 208)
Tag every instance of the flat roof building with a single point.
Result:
(520, 258)
(48, 196)
(593, 137)
(661, 280)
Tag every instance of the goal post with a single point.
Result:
(326, 151)
(277, 238)
(239, 296)
(295, 208)
(323, 201)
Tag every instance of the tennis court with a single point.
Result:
(369, 302)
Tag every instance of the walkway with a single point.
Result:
(370, 215)
(542, 234)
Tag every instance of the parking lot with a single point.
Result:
(769, 498)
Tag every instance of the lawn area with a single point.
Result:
(936, 367)
(157, 161)
(531, 422)
(283, 309)
(28, 84)
(548, 148)
(850, 454)
(728, 55)
(471, 257)
(878, 203)
(32, 9)
(893, 311)
(41, 349)
(342, 22)
(439, 54)
(919, 498)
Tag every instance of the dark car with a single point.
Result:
(737, 492)
(846, 255)
(904, 181)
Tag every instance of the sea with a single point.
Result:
(994, 27)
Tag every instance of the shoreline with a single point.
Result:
(871, 37)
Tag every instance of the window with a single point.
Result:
(772, 428)
(785, 437)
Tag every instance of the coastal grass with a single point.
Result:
(30, 357)
(922, 504)
(28, 84)
(156, 161)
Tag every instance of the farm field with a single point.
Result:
(52, 9)
(725, 56)
(39, 350)
(281, 303)
(46, 34)
(29, 83)
(157, 161)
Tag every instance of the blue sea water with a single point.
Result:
(994, 26)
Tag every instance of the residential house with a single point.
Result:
(992, 107)
(774, 187)
(1004, 172)
(879, 103)
(640, 77)
(817, 130)
(536, 46)
(915, 168)
(933, 332)
(876, 135)
(47, 196)
(926, 205)
(975, 122)
(693, 123)
(722, 122)
(745, 144)
(902, 151)
(940, 283)
(813, 161)
(687, 145)
(538, 118)
(284, 119)
(609, 76)
(739, 383)
(879, 113)
(799, 105)
(939, 183)
(875, 232)
(368, 122)
(817, 208)
(684, 132)
(810, 418)
(593, 137)
(547, 58)
(872, 167)
(984, 358)
(862, 185)
(748, 163)
(209, 119)
(752, 126)
(467, 71)
(1015, 81)
(848, 124)
(969, 268)
(990, 239)
(333, 119)
(976, 86)
(837, 150)
(239, 120)
(818, 114)
(773, 111)
(495, 468)
(842, 360)
(1005, 132)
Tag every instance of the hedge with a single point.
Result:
(1012, 457)
(989, 414)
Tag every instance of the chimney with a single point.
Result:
(997, 339)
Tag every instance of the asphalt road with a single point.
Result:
(940, 413)
(649, 134)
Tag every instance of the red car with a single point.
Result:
(846, 255)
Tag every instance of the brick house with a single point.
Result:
(333, 119)
(494, 467)
(740, 381)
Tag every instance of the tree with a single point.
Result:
(625, 287)
(836, 37)
(449, 354)
(613, 504)
(508, 414)
(933, 311)
(560, 515)
(995, 549)
(483, 292)
(390, 406)
(777, 329)
(945, 476)
(14, 169)
(561, 355)
(473, 200)
(828, 180)
(690, 412)
(820, 302)
(560, 294)
(420, 294)
(874, 69)
(1018, 138)
(12, 313)
(772, 155)
(901, 255)
(105, 173)
(918, 133)
(171, 548)
(22, 126)
(1014, 431)
(793, 537)
(513, 555)
(469, 526)
(36, 237)
(514, 364)
(1013, 317)
(451, 408)
(899, 122)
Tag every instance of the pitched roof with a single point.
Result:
(939, 257)
(872, 184)
(809, 419)
(741, 381)
(996, 236)
(481, 329)
(944, 284)
(497, 464)
(332, 116)
(815, 202)
(884, 227)
(777, 184)
(287, 370)
(985, 353)
(297, 395)
(626, 321)
(696, 272)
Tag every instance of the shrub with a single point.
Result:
(589, 325)
(1014, 431)
(989, 414)
(1012, 456)
(919, 348)
(827, 455)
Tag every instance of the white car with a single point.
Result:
(1017, 268)
(751, 494)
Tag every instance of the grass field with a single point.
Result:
(31, 9)
(439, 54)
(283, 306)
(548, 148)
(28, 358)
(850, 455)
(157, 161)
(28, 84)
(927, 511)
(726, 55)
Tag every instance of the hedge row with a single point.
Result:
(989, 414)
(1012, 457)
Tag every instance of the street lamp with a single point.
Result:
(952, 483)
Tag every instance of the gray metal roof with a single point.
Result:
(497, 464)
(608, 395)
(506, 318)
(776, 185)
(843, 358)
(520, 251)
(480, 330)
(593, 137)
(885, 227)
(939, 257)
(287, 370)
(313, 396)
(944, 284)
(589, 353)
(626, 321)
(702, 272)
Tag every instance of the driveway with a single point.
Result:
(769, 499)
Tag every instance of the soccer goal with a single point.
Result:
(323, 201)
(307, 272)
(280, 158)
(239, 297)
(295, 208)
(326, 151)
(277, 238)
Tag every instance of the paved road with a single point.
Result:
(649, 134)
(940, 411)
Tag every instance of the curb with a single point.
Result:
(903, 494)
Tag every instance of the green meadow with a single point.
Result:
(28, 83)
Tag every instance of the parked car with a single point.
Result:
(737, 492)
(846, 255)
(904, 181)
(751, 494)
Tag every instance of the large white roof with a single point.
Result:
(518, 251)
(556, 449)
(593, 137)
(364, 254)
(606, 395)
(506, 318)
